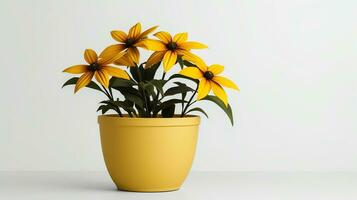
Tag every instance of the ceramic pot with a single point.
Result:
(148, 154)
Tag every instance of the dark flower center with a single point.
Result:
(94, 67)
(208, 75)
(171, 46)
(129, 42)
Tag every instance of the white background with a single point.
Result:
(295, 61)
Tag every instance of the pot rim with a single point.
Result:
(188, 120)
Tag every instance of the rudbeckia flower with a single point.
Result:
(129, 43)
(209, 80)
(168, 48)
(98, 68)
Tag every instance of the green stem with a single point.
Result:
(107, 93)
(155, 100)
(148, 112)
(141, 90)
(111, 92)
(110, 96)
(138, 73)
(183, 103)
(189, 102)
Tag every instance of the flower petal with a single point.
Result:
(180, 38)
(76, 69)
(135, 31)
(225, 82)
(147, 32)
(216, 69)
(192, 72)
(192, 45)
(219, 92)
(113, 71)
(204, 88)
(111, 59)
(163, 36)
(112, 50)
(133, 54)
(83, 81)
(153, 45)
(141, 43)
(119, 36)
(169, 60)
(124, 61)
(192, 58)
(102, 77)
(90, 56)
(155, 58)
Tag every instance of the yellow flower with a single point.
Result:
(129, 43)
(208, 79)
(98, 68)
(168, 48)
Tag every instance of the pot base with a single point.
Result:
(149, 190)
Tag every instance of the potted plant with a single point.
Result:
(149, 143)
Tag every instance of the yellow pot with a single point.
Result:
(148, 154)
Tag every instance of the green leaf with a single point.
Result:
(119, 82)
(104, 109)
(183, 95)
(226, 109)
(159, 84)
(141, 111)
(100, 107)
(178, 90)
(126, 90)
(180, 84)
(180, 61)
(131, 94)
(147, 90)
(149, 73)
(126, 105)
(167, 103)
(171, 101)
(197, 109)
(74, 80)
(129, 103)
(135, 73)
(188, 64)
(168, 111)
(109, 105)
(184, 77)
(114, 105)
(135, 99)
(139, 73)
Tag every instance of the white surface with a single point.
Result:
(203, 185)
(295, 61)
